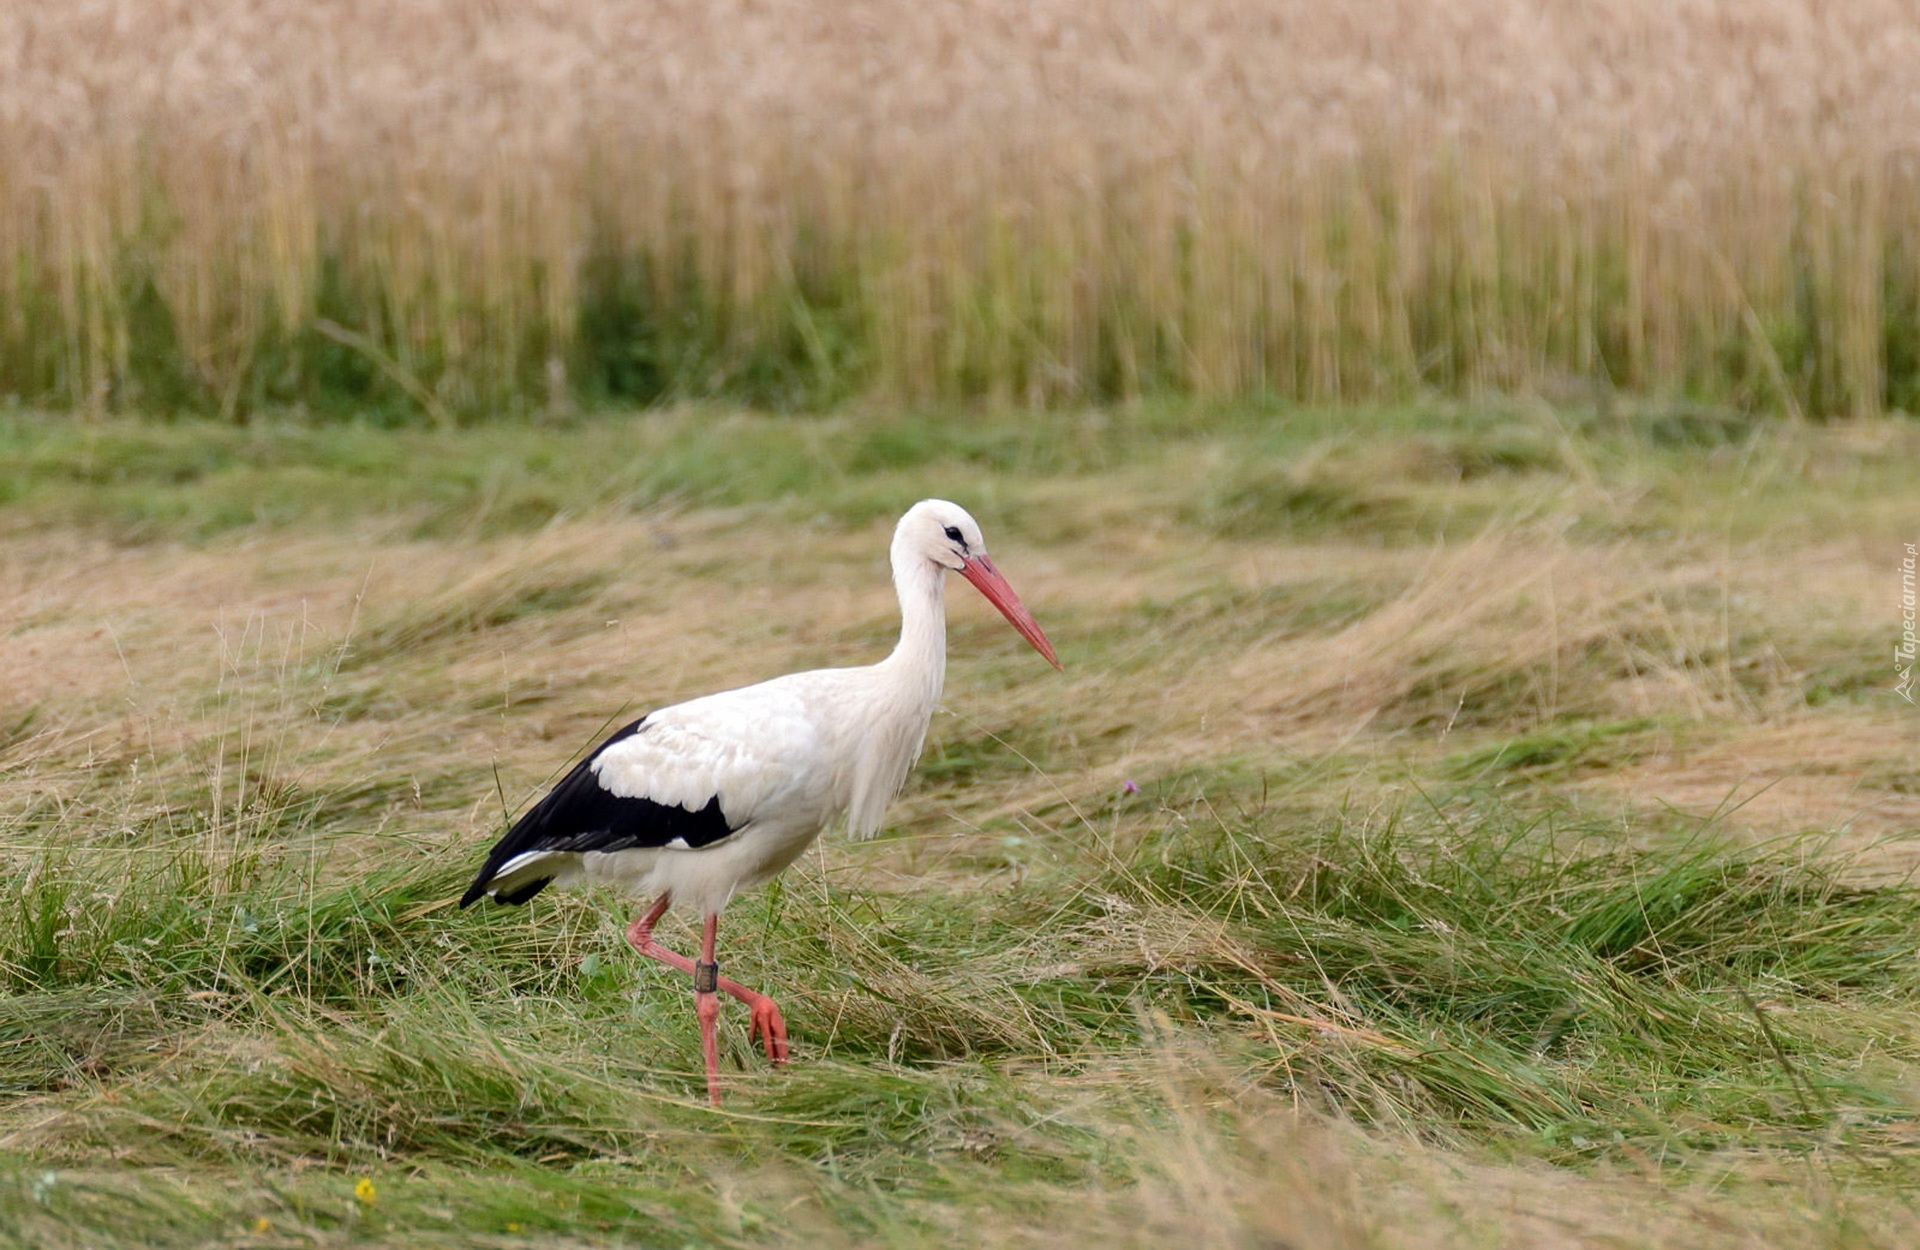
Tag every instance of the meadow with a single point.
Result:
(1463, 454)
(1456, 826)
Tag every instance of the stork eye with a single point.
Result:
(953, 532)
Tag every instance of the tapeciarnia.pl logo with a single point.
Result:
(1903, 651)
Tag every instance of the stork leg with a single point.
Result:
(768, 1026)
(706, 1005)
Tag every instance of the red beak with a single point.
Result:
(987, 580)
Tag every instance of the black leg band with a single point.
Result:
(706, 977)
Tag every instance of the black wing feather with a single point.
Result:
(580, 814)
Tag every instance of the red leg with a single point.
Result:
(706, 1004)
(768, 1026)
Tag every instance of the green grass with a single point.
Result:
(1263, 474)
(1189, 941)
(1471, 976)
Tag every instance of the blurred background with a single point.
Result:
(463, 209)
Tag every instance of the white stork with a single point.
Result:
(705, 798)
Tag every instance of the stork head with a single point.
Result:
(944, 535)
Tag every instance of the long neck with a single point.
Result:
(919, 660)
(905, 687)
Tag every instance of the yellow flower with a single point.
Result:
(363, 1190)
(513, 1228)
(263, 1225)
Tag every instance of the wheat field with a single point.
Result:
(451, 209)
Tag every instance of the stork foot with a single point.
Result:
(767, 1026)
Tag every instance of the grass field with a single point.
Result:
(1516, 853)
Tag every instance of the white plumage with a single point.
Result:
(705, 798)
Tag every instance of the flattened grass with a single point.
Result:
(1391, 902)
(1474, 979)
(1472, 974)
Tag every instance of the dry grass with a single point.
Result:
(1688, 670)
(1234, 1169)
(1258, 1003)
(451, 207)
